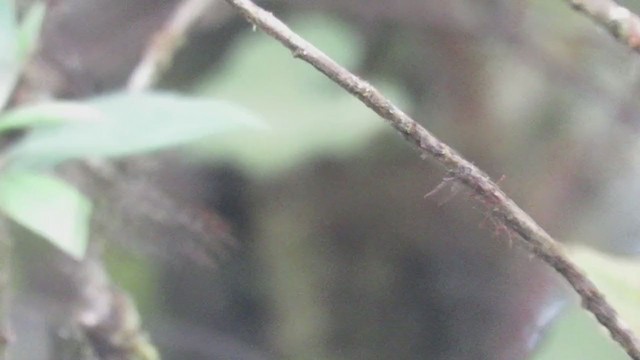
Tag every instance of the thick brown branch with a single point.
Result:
(618, 20)
(502, 207)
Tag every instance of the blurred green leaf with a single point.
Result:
(578, 336)
(9, 59)
(29, 29)
(47, 114)
(7, 27)
(49, 207)
(125, 124)
(309, 114)
(618, 277)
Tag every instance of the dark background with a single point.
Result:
(336, 252)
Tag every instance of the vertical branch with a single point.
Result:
(535, 239)
(107, 315)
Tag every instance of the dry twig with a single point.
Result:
(166, 42)
(536, 240)
(618, 20)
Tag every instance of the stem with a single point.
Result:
(107, 315)
(165, 43)
(621, 23)
(505, 210)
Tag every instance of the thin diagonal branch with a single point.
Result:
(618, 20)
(166, 42)
(536, 240)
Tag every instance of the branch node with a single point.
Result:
(299, 53)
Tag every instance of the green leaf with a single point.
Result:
(48, 114)
(7, 25)
(49, 207)
(9, 59)
(29, 30)
(618, 277)
(125, 124)
(578, 335)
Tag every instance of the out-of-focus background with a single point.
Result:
(331, 250)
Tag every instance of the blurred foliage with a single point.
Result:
(618, 277)
(137, 275)
(120, 125)
(17, 41)
(306, 113)
(576, 335)
(49, 207)
(29, 29)
(9, 61)
(110, 126)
